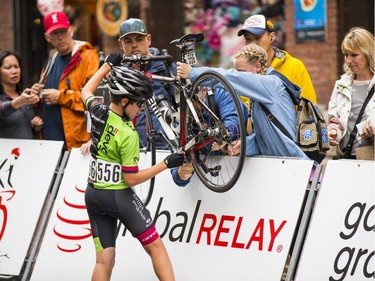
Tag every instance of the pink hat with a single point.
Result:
(56, 20)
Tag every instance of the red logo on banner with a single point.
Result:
(71, 226)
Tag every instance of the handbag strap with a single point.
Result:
(290, 88)
(348, 148)
(273, 119)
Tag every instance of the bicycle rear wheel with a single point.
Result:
(217, 171)
(147, 158)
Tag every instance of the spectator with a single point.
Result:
(109, 199)
(65, 74)
(248, 80)
(259, 30)
(135, 40)
(17, 115)
(349, 95)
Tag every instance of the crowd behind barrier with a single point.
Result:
(245, 233)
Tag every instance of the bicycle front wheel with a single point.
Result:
(220, 129)
(147, 158)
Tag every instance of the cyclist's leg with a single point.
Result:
(105, 261)
(103, 229)
(160, 260)
(137, 219)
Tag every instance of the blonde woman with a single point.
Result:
(349, 94)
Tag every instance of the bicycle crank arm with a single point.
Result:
(213, 171)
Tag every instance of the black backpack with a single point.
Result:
(311, 128)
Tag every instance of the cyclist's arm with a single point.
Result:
(171, 161)
(91, 86)
(133, 179)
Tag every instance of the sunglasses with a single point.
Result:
(140, 103)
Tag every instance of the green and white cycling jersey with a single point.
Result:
(114, 149)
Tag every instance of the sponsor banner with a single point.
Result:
(310, 20)
(26, 171)
(340, 242)
(242, 234)
(67, 251)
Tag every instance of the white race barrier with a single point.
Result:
(26, 172)
(340, 243)
(242, 234)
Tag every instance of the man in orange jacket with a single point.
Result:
(63, 77)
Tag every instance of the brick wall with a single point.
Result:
(320, 58)
(6, 25)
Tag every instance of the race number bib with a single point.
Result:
(104, 172)
(190, 57)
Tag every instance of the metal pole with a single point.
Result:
(309, 206)
(46, 213)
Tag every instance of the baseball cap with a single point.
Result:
(256, 25)
(56, 20)
(132, 26)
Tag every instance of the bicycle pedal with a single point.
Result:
(152, 136)
(215, 171)
(153, 133)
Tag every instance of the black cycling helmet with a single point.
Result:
(130, 83)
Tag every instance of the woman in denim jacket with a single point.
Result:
(252, 78)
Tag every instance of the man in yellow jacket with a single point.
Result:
(259, 30)
(65, 74)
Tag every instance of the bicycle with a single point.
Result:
(194, 125)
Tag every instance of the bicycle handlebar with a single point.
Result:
(143, 58)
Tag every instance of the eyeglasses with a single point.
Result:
(140, 103)
(59, 32)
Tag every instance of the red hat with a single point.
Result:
(56, 20)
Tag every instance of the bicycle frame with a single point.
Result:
(190, 110)
(178, 138)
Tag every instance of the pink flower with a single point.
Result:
(214, 41)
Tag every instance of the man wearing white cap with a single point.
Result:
(259, 30)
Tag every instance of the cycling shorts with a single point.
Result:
(105, 207)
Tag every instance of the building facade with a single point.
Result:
(22, 30)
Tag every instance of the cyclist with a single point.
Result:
(114, 169)
(135, 40)
(248, 80)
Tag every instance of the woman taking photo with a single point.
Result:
(17, 116)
